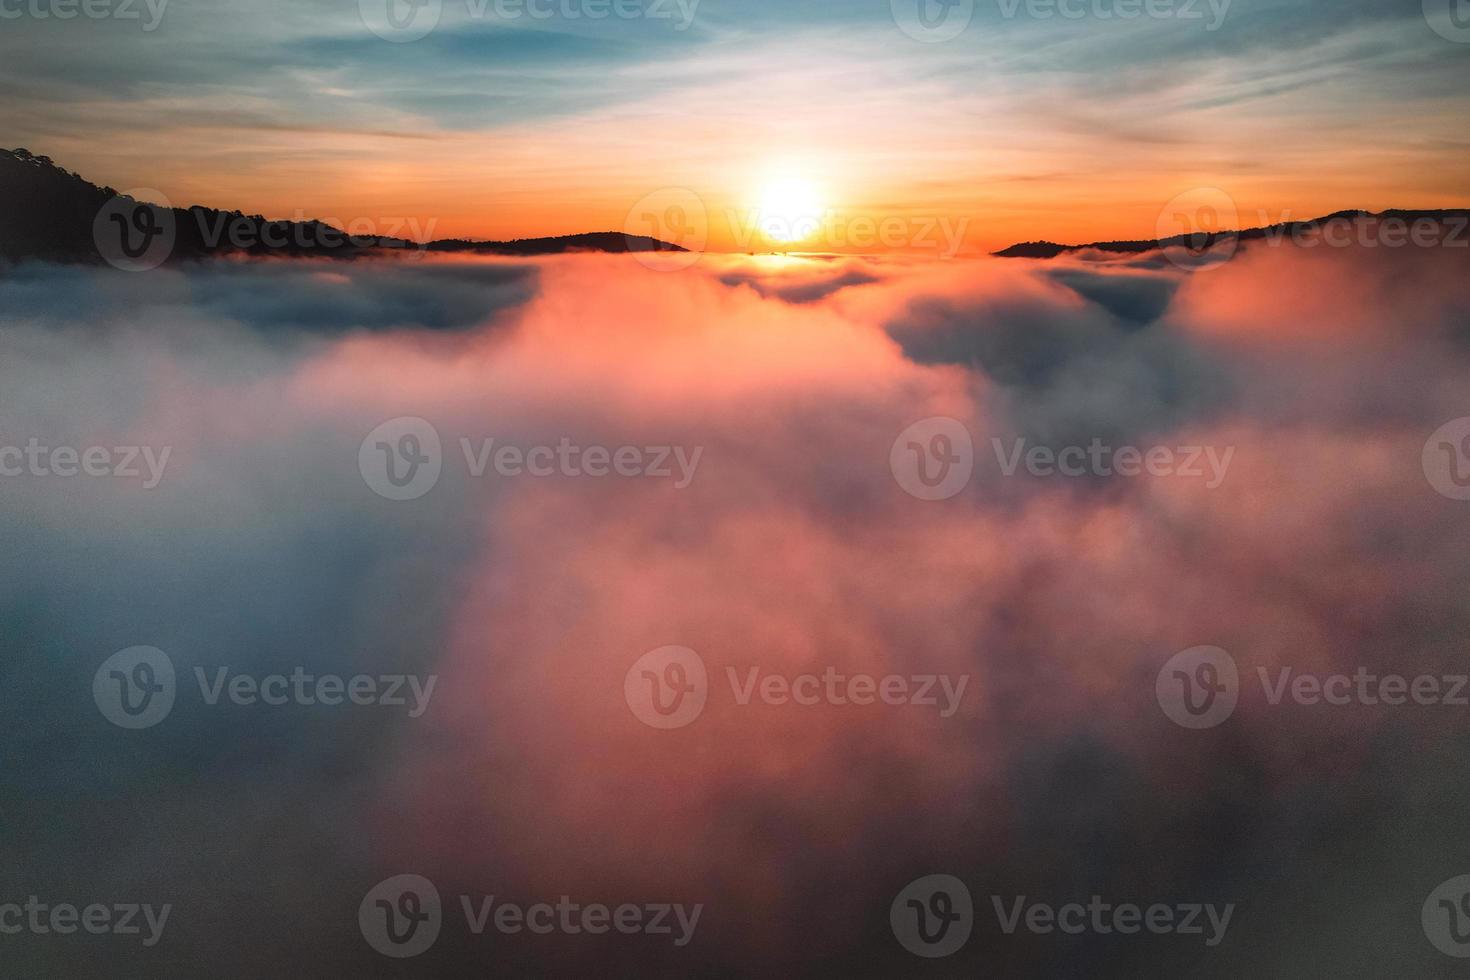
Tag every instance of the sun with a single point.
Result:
(790, 209)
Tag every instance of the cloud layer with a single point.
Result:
(793, 550)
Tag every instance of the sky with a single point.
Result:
(1026, 124)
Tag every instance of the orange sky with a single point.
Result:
(1015, 130)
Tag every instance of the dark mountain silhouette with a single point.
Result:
(1453, 222)
(51, 214)
(1035, 250)
(592, 241)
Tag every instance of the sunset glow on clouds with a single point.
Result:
(793, 549)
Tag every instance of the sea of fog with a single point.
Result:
(755, 591)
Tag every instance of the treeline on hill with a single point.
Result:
(50, 214)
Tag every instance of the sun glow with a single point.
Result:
(790, 209)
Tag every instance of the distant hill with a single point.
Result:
(592, 241)
(1454, 221)
(1035, 250)
(51, 214)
